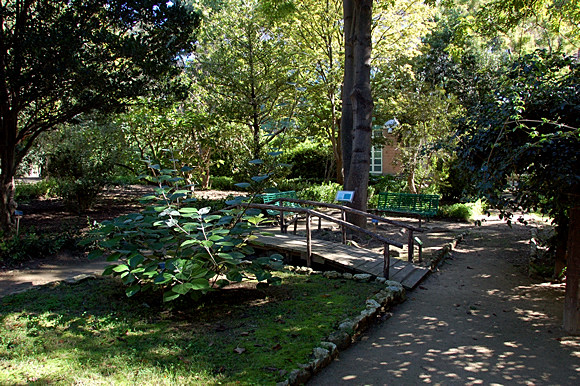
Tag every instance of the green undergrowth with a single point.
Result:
(91, 333)
(462, 211)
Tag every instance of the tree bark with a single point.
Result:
(362, 109)
(8, 167)
(346, 121)
(572, 299)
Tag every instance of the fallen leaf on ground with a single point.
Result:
(239, 350)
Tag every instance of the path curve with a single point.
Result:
(478, 320)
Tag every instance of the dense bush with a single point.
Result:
(31, 191)
(312, 162)
(82, 159)
(325, 192)
(29, 244)
(462, 211)
(384, 183)
(223, 183)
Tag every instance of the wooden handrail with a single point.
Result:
(344, 224)
(411, 229)
(351, 210)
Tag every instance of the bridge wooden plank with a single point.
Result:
(352, 258)
(415, 277)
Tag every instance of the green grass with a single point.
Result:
(90, 333)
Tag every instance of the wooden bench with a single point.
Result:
(268, 198)
(415, 205)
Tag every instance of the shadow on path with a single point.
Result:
(479, 320)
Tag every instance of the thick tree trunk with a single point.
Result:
(346, 121)
(572, 299)
(7, 171)
(362, 103)
(562, 231)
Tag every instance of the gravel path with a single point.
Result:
(478, 320)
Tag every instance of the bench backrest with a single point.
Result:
(269, 197)
(416, 203)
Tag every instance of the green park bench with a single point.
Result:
(268, 198)
(415, 205)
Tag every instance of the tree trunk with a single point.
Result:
(362, 109)
(572, 299)
(346, 122)
(562, 238)
(7, 171)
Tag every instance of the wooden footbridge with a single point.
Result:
(343, 256)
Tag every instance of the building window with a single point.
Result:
(376, 157)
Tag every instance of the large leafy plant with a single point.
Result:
(177, 249)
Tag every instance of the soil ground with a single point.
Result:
(479, 319)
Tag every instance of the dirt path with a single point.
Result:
(39, 272)
(479, 320)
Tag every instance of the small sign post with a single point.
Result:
(344, 196)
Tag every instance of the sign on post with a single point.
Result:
(344, 196)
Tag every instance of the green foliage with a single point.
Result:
(386, 183)
(310, 162)
(82, 159)
(64, 58)
(462, 211)
(524, 138)
(29, 244)
(325, 192)
(177, 249)
(223, 183)
(41, 189)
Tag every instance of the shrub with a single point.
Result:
(223, 183)
(82, 159)
(312, 162)
(29, 244)
(325, 192)
(462, 211)
(31, 191)
(175, 248)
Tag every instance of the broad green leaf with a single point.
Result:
(243, 185)
(135, 261)
(121, 268)
(169, 296)
(108, 270)
(188, 210)
(182, 289)
(187, 243)
(133, 290)
(199, 284)
(260, 178)
(236, 201)
(95, 254)
(163, 278)
(256, 162)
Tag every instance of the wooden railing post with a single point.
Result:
(387, 261)
(308, 241)
(411, 245)
(343, 218)
(282, 222)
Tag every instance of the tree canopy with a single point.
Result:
(60, 58)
